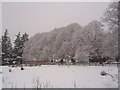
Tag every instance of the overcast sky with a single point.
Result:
(43, 17)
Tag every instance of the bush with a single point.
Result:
(22, 68)
(103, 73)
(10, 70)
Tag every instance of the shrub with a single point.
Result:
(22, 68)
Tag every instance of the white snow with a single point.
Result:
(54, 76)
(0, 77)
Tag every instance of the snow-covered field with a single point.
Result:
(54, 76)
(0, 77)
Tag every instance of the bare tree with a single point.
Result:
(111, 16)
(111, 19)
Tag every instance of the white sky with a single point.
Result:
(34, 17)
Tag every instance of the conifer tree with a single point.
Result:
(6, 48)
(19, 46)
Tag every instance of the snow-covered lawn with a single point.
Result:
(54, 76)
(0, 77)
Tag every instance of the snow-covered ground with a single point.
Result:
(54, 76)
(0, 77)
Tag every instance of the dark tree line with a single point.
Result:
(12, 54)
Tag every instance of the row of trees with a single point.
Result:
(12, 54)
(74, 41)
